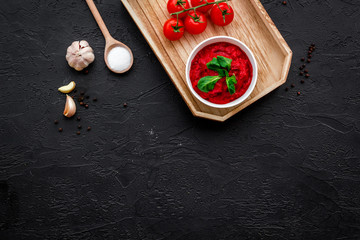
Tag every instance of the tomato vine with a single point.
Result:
(180, 2)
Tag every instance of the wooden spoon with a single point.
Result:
(110, 41)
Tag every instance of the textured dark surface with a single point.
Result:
(287, 167)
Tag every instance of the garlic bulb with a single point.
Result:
(79, 55)
(70, 107)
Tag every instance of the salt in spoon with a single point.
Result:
(110, 41)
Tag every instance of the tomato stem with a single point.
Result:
(177, 28)
(180, 2)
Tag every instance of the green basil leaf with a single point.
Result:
(207, 83)
(224, 62)
(213, 64)
(230, 82)
(222, 72)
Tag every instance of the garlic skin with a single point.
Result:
(79, 55)
(70, 107)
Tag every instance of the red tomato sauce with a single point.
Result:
(240, 66)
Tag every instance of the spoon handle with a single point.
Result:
(98, 19)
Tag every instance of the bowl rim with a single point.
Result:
(243, 47)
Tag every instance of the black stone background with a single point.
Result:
(287, 167)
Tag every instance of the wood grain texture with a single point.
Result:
(252, 25)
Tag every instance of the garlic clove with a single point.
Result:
(70, 107)
(67, 88)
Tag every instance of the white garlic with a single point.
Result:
(67, 88)
(79, 55)
(70, 107)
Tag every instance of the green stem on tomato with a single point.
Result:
(180, 2)
(177, 28)
(196, 18)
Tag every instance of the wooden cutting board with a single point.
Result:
(252, 25)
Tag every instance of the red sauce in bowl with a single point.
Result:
(240, 66)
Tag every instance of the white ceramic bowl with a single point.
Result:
(242, 47)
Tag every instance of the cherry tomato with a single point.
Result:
(177, 6)
(173, 31)
(195, 3)
(195, 23)
(222, 15)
